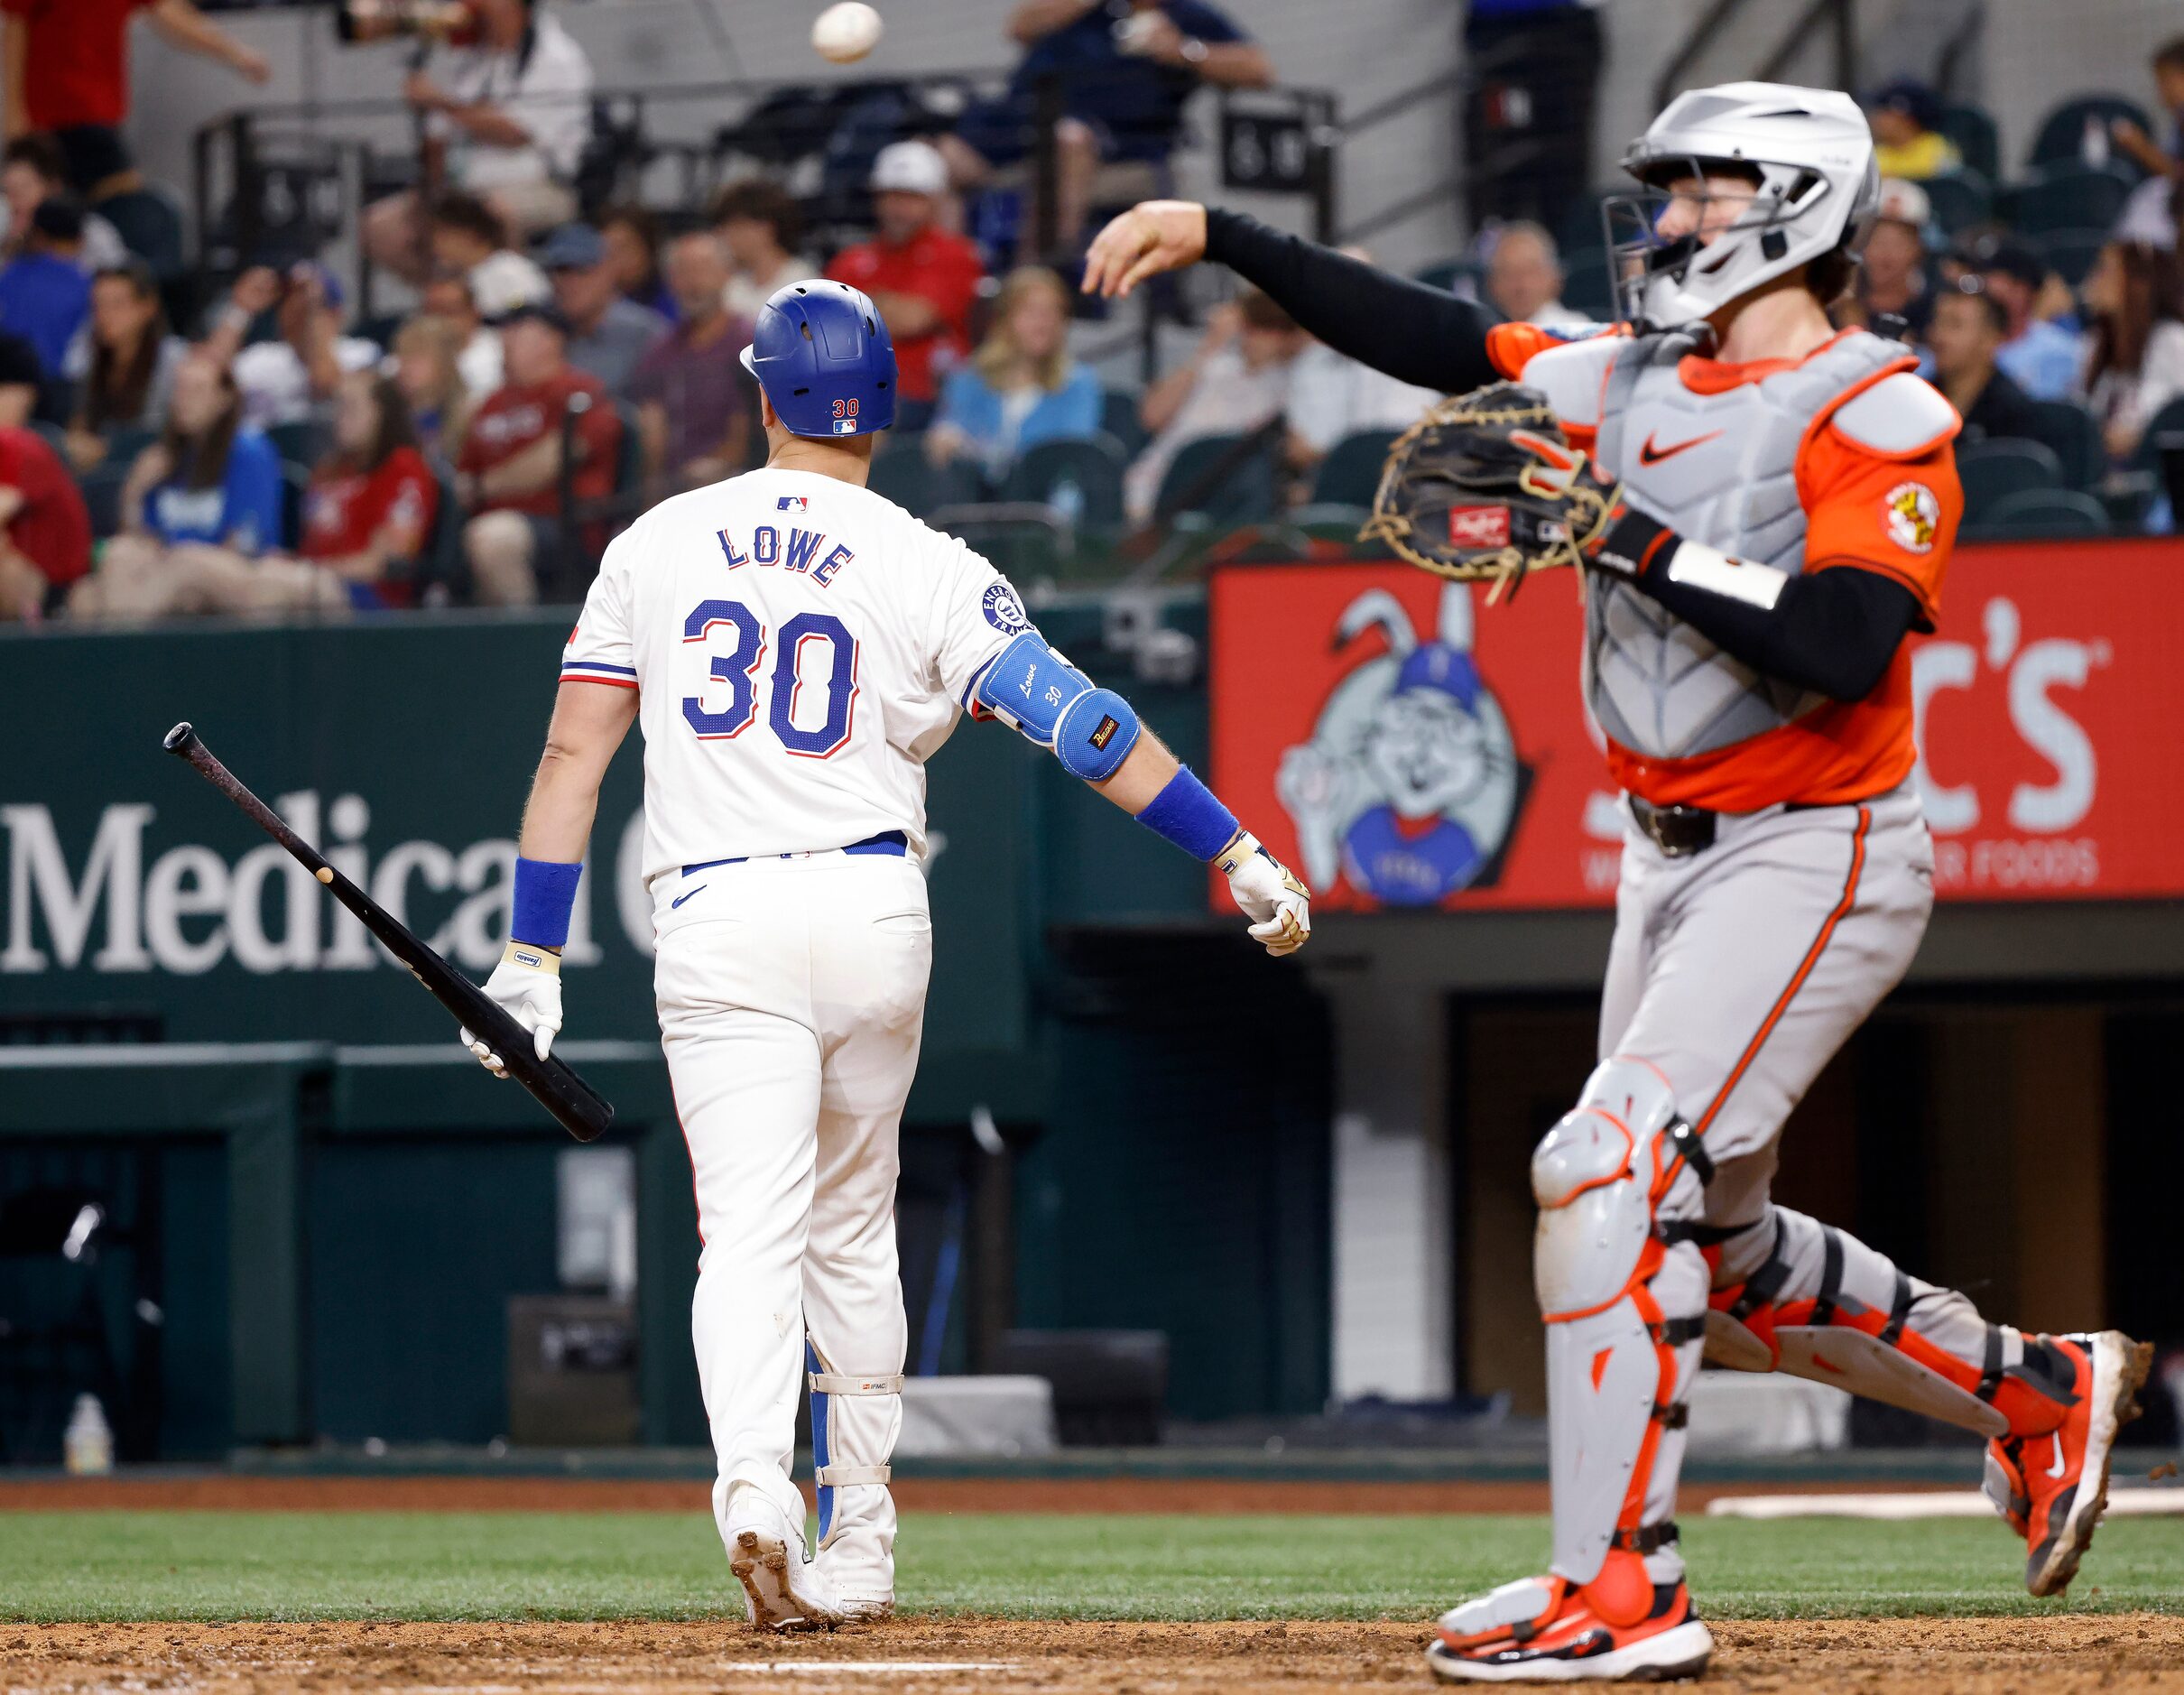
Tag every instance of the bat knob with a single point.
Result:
(179, 736)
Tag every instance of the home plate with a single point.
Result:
(2123, 1503)
(875, 1667)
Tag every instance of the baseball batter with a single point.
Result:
(1764, 508)
(796, 648)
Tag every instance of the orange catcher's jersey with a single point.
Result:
(800, 647)
(1840, 459)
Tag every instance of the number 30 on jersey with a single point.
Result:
(793, 666)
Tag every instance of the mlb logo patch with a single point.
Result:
(844, 426)
(792, 502)
(1478, 526)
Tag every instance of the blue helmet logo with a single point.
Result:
(823, 356)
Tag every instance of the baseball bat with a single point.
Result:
(582, 1111)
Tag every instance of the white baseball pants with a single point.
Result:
(791, 994)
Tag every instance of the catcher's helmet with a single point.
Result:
(822, 354)
(1810, 153)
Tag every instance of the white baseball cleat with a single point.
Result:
(781, 1589)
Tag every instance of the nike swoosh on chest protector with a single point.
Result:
(1649, 454)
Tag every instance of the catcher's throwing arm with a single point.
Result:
(582, 1111)
(1468, 493)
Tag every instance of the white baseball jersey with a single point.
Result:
(800, 647)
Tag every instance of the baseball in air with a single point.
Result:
(846, 32)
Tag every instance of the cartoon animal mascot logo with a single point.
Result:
(1411, 784)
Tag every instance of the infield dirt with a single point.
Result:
(2060, 1656)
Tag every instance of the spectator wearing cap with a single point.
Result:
(1964, 332)
(2041, 357)
(45, 533)
(508, 125)
(470, 239)
(66, 74)
(509, 472)
(1126, 70)
(760, 227)
(608, 332)
(1891, 276)
(921, 277)
(44, 296)
(1908, 142)
(693, 396)
(294, 377)
(32, 172)
(1524, 277)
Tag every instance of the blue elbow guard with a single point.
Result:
(1095, 735)
(1029, 686)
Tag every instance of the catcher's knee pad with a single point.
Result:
(1624, 1295)
(854, 1422)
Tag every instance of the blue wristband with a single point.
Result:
(1187, 814)
(545, 895)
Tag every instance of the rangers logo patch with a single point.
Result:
(1478, 526)
(1911, 515)
(1003, 610)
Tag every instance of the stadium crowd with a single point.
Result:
(565, 363)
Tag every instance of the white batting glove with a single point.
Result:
(526, 984)
(1278, 905)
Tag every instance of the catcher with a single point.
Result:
(1763, 510)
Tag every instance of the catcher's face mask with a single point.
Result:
(1682, 240)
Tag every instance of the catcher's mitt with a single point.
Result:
(1481, 489)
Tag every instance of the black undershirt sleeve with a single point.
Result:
(1833, 632)
(1408, 331)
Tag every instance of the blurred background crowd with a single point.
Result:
(526, 326)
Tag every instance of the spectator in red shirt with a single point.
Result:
(67, 74)
(510, 471)
(45, 533)
(921, 277)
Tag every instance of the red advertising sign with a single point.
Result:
(1402, 744)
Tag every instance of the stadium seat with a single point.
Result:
(903, 475)
(302, 443)
(2041, 512)
(102, 495)
(1585, 284)
(1961, 200)
(1449, 272)
(1978, 142)
(1119, 418)
(1350, 474)
(1024, 540)
(2067, 196)
(1092, 466)
(1991, 469)
(2069, 429)
(295, 482)
(2062, 133)
(2070, 253)
(1218, 478)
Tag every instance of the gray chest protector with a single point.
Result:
(1720, 469)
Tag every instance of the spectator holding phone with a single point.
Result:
(292, 377)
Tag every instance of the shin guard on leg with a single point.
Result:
(855, 1422)
(1623, 1292)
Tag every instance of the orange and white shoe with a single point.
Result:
(1542, 1630)
(2053, 1487)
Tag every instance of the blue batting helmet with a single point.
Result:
(822, 354)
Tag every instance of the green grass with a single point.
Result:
(113, 1566)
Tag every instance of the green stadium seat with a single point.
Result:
(303, 442)
(1978, 142)
(101, 488)
(1586, 287)
(2070, 253)
(2043, 512)
(2067, 196)
(1448, 272)
(1118, 417)
(2062, 133)
(1082, 476)
(2069, 429)
(903, 474)
(1962, 201)
(1350, 474)
(1216, 478)
(1991, 469)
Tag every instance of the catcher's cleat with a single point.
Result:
(2053, 1487)
(1542, 1630)
(781, 1591)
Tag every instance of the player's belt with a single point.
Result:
(1680, 831)
(888, 841)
